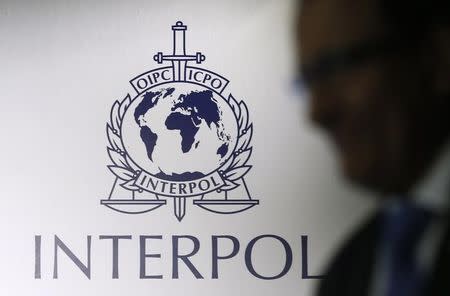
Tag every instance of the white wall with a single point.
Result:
(62, 65)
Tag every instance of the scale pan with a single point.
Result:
(133, 206)
(226, 206)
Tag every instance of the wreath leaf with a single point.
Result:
(124, 106)
(117, 158)
(121, 173)
(244, 139)
(242, 158)
(114, 139)
(234, 105)
(227, 164)
(115, 119)
(130, 185)
(131, 164)
(237, 173)
(243, 118)
(229, 185)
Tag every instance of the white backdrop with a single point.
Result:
(63, 64)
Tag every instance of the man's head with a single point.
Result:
(378, 72)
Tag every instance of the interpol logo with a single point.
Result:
(181, 136)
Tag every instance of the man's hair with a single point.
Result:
(415, 17)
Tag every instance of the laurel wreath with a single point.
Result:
(127, 171)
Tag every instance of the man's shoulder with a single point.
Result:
(350, 269)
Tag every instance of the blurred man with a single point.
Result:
(378, 73)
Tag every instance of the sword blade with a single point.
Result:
(179, 207)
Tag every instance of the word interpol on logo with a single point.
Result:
(180, 137)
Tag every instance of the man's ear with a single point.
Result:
(440, 50)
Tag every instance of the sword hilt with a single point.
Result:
(179, 39)
(179, 48)
(160, 58)
(179, 58)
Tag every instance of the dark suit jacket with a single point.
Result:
(351, 271)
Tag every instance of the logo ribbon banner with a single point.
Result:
(196, 187)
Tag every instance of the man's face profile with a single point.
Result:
(375, 91)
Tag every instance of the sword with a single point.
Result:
(179, 207)
(179, 58)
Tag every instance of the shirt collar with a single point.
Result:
(433, 191)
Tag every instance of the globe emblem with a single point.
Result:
(180, 137)
(179, 131)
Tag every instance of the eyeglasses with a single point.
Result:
(340, 60)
